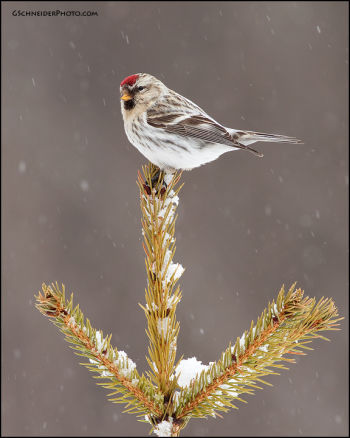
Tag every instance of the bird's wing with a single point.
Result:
(195, 124)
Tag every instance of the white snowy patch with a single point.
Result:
(188, 369)
(168, 237)
(72, 322)
(249, 370)
(106, 373)
(171, 301)
(173, 270)
(125, 365)
(168, 177)
(243, 337)
(176, 396)
(172, 346)
(154, 307)
(100, 342)
(162, 326)
(227, 388)
(242, 341)
(169, 270)
(171, 199)
(164, 428)
(275, 310)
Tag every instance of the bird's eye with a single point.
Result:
(140, 88)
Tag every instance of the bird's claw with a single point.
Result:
(154, 183)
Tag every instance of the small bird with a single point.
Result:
(174, 133)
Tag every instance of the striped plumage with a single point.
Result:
(175, 133)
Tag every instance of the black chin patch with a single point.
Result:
(129, 104)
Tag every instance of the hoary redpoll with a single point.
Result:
(174, 133)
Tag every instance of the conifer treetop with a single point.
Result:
(175, 390)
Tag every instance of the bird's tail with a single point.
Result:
(251, 137)
(246, 138)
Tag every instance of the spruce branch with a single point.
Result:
(285, 327)
(171, 393)
(158, 206)
(114, 367)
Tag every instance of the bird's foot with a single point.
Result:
(155, 183)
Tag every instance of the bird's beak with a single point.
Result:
(126, 96)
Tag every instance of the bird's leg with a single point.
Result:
(160, 176)
(155, 178)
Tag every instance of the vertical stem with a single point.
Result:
(158, 206)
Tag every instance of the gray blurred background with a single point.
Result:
(246, 225)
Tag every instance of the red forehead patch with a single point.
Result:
(130, 80)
